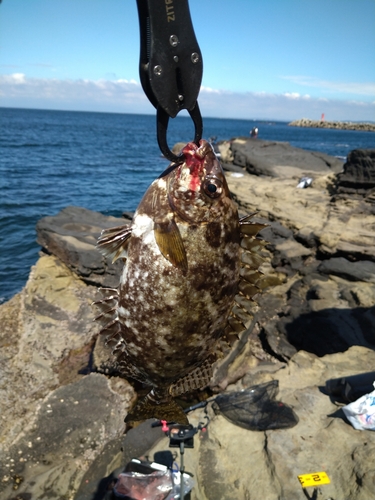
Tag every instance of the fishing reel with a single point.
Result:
(179, 434)
(183, 435)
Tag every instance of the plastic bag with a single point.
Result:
(144, 480)
(361, 413)
(138, 486)
(255, 409)
(304, 182)
(188, 485)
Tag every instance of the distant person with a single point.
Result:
(254, 132)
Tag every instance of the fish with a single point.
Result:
(191, 269)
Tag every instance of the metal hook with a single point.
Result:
(162, 120)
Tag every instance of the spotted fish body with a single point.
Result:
(182, 274)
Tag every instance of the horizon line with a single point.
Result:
(262, 120)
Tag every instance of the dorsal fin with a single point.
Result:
(113, 242)
(246, 303)
(236, 325)
(251, 247)
(251, 228)
(253, 244)
(252, 259)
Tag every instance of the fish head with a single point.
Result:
(197, 189)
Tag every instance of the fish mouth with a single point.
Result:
(197, 185)
(172, 167)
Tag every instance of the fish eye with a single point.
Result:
(213, 187)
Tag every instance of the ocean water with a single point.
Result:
(103, 162)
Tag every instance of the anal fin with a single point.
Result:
(162, 408)
(107, 318)
(198, 378)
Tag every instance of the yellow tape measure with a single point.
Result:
(314, 479)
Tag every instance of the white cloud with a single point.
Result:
(15, 78)
(288, 106)
(357, 88)
(292, 95)
(85, 95)
(210, 90)
(127, 96)
(127, 81)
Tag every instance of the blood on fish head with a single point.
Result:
(197, 187)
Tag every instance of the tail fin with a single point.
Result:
(154, 407)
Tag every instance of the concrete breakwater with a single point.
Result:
(305, 122)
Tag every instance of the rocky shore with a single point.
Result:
(305, 122)
(62, 405)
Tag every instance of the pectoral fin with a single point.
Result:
(113, 242)
(169, 241)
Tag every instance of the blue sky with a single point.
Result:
(264, 59)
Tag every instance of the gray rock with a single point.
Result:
(323, 305)
(55, 420)
(70, 429)
(358, 172)
(307, 237)
(318, 314)
(280, 159)
(100, 476)
(71, 235)
(352, 271)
